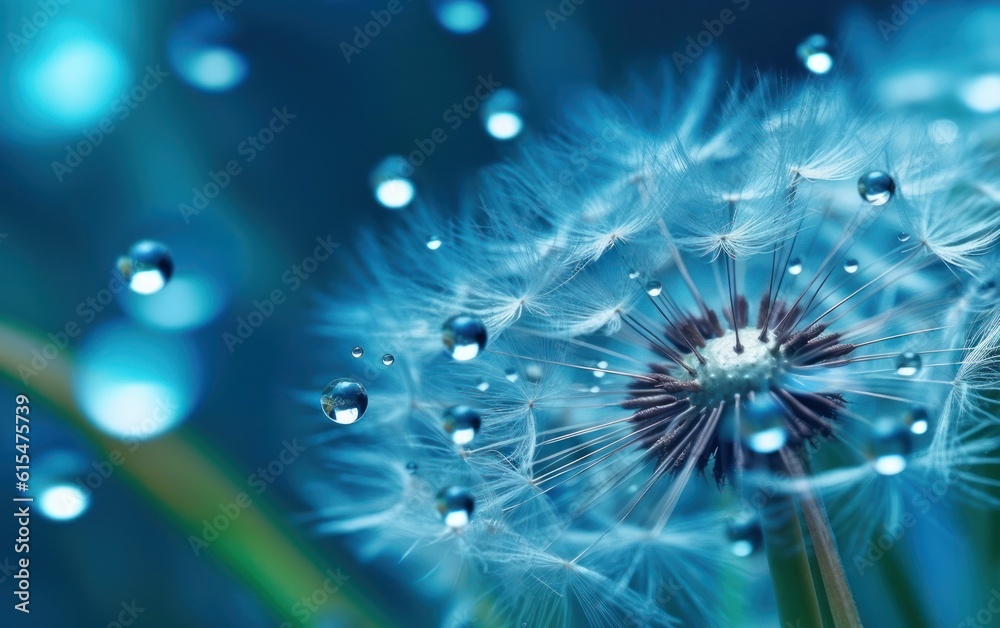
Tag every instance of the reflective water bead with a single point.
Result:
(454, 505)
(482, 385)
(502, 114)
(533, 373)
(462, 422)
(851, 266)
(908, 364)
(344, 400)
(412, 467)
(891, 443)
(814, 52)
(654, 288)
(388, 359)
(511, 375)
(633, 274)
(903, 236)
(463, 336)
(357, 352)
(602, 364)
(762, 424)
(917, 419)
(744, 533)
(794, 266)
(876, 187)
(390, 182)
(433, 243)
(147, 267)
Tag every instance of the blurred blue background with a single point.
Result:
(243, 135)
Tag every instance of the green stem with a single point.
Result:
(789, 564)
(838, 592)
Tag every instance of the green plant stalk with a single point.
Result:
(838, 592)
(788, 562)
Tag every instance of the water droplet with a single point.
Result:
(462, 422)
(463, 336)
(814, 52)
(876, 187)
(908, 364)
(511, 375)
(502, 114)
(461, 16)
(147, 267)
(744, 533)
(412, 467)
(482, 385)
(357, 352)
(533, 373)
(794, 266)
(891, 443)
(633, 274)
(762, 424)
(602, 364)
(454, 505)
(388, 359)
(917, 419)
(390, 182)
(595, 389)
(903, 236)
(344, 400)
(433, 243)
(654, 288)
(851, 266)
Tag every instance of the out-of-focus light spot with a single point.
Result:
(742, 548)
(815, 54)
(982, 94)
(768, 441)
(461, 16)
(189, 301)
(390, 182)
(943, 131)
(198, 50)
(912, 86)
(133, 383)
(71, 79)
(919, 426)
(63, 502)
(502, 114)
(891, 464)
(216, 69)
(504, 125)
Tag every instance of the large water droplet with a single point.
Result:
(908, 364)
(502, 114)
(794, 266)
(454, 505)
(744, 533)
(876, 187)
(357, 352)
(344, 400)
(814, 52)
(654, 288)
(147, 267)
(891, 443)
(463, 336)
(462, 422)
(851, 266)
(391, 183)
(917, 419)
(762, 424)
(388, 359)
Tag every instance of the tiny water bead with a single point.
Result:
(917, 419)
(876, 187)
(388, 359)
(147, 267)
(412, 467)
(511, 375)
(762, 424)
(851, 266)
(434, 243)
(903, 236)
(454, 505)
(633, 274)
(602, 364)
(502, 114)
(814, 52)
(654, 288)
(462, 422)
(794, 266)
(891, 443)
(391, 183)
(908, 364)
(744, 533)
(357, 352)
(464, 336)
(482, 385)
(344, 400)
